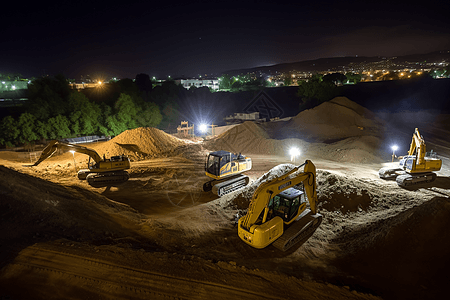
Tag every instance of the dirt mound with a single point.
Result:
(400, 249)
(339, 130)
(364, 149)
(140, 143)
(33, 209)
(250, 137)
(336, 119)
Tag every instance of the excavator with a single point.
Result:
(225, 169)
(277, 212)
(101, 172)
(416, 167)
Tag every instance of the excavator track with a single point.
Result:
(300, 231)
(98, 180)
(230, 185)
(409, 179)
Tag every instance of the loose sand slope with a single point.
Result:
(139, 143)
(337, 119)
(339, 130)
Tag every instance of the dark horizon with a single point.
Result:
(204, 38)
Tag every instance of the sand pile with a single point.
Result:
(339, 130)
(140, 143)
(400, 250)
(250, 137)
(337, 119)
(33, 208)
(364, 149)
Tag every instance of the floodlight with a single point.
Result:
(294, 151)
(203, 128)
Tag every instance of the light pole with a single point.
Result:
(74, 163)
(394, 148)
(294, 152)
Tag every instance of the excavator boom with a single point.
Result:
(54, 145)
(103, 172)
(276, 204)
(416, 167)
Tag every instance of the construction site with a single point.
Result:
(163, 234)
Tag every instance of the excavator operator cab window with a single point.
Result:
(285, 205)
(213, 165)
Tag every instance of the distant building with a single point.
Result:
(188, 83)
(242, 117)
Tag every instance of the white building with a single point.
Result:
(188, 83)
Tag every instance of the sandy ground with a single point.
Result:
(159, 236)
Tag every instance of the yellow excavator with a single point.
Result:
(416, 167)
(225, 169)
(277, 212)
(101, 172)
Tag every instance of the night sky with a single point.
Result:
(183, 39)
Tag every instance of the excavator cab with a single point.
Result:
(277, 212)
(286, 204)
(225, 169)
(213, 164)
(223, 163)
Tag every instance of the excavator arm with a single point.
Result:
(258, 230)
(54, 145)
(267, 190)
(105, 172)
(416, 167)
(418, 143)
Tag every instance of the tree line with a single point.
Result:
(55, 111)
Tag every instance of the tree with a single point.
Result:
(58, 127)
(149, 115)
(315, 92)
(335, 78)
(8, 131)
(27, 126)
(143, 82)
(84, 114)
(126, 112)
(47, 97)
(224, 82)
(41, 129)
(352, 77)
(105, 114)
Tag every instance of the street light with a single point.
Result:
(394, 148)
(74, 163)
